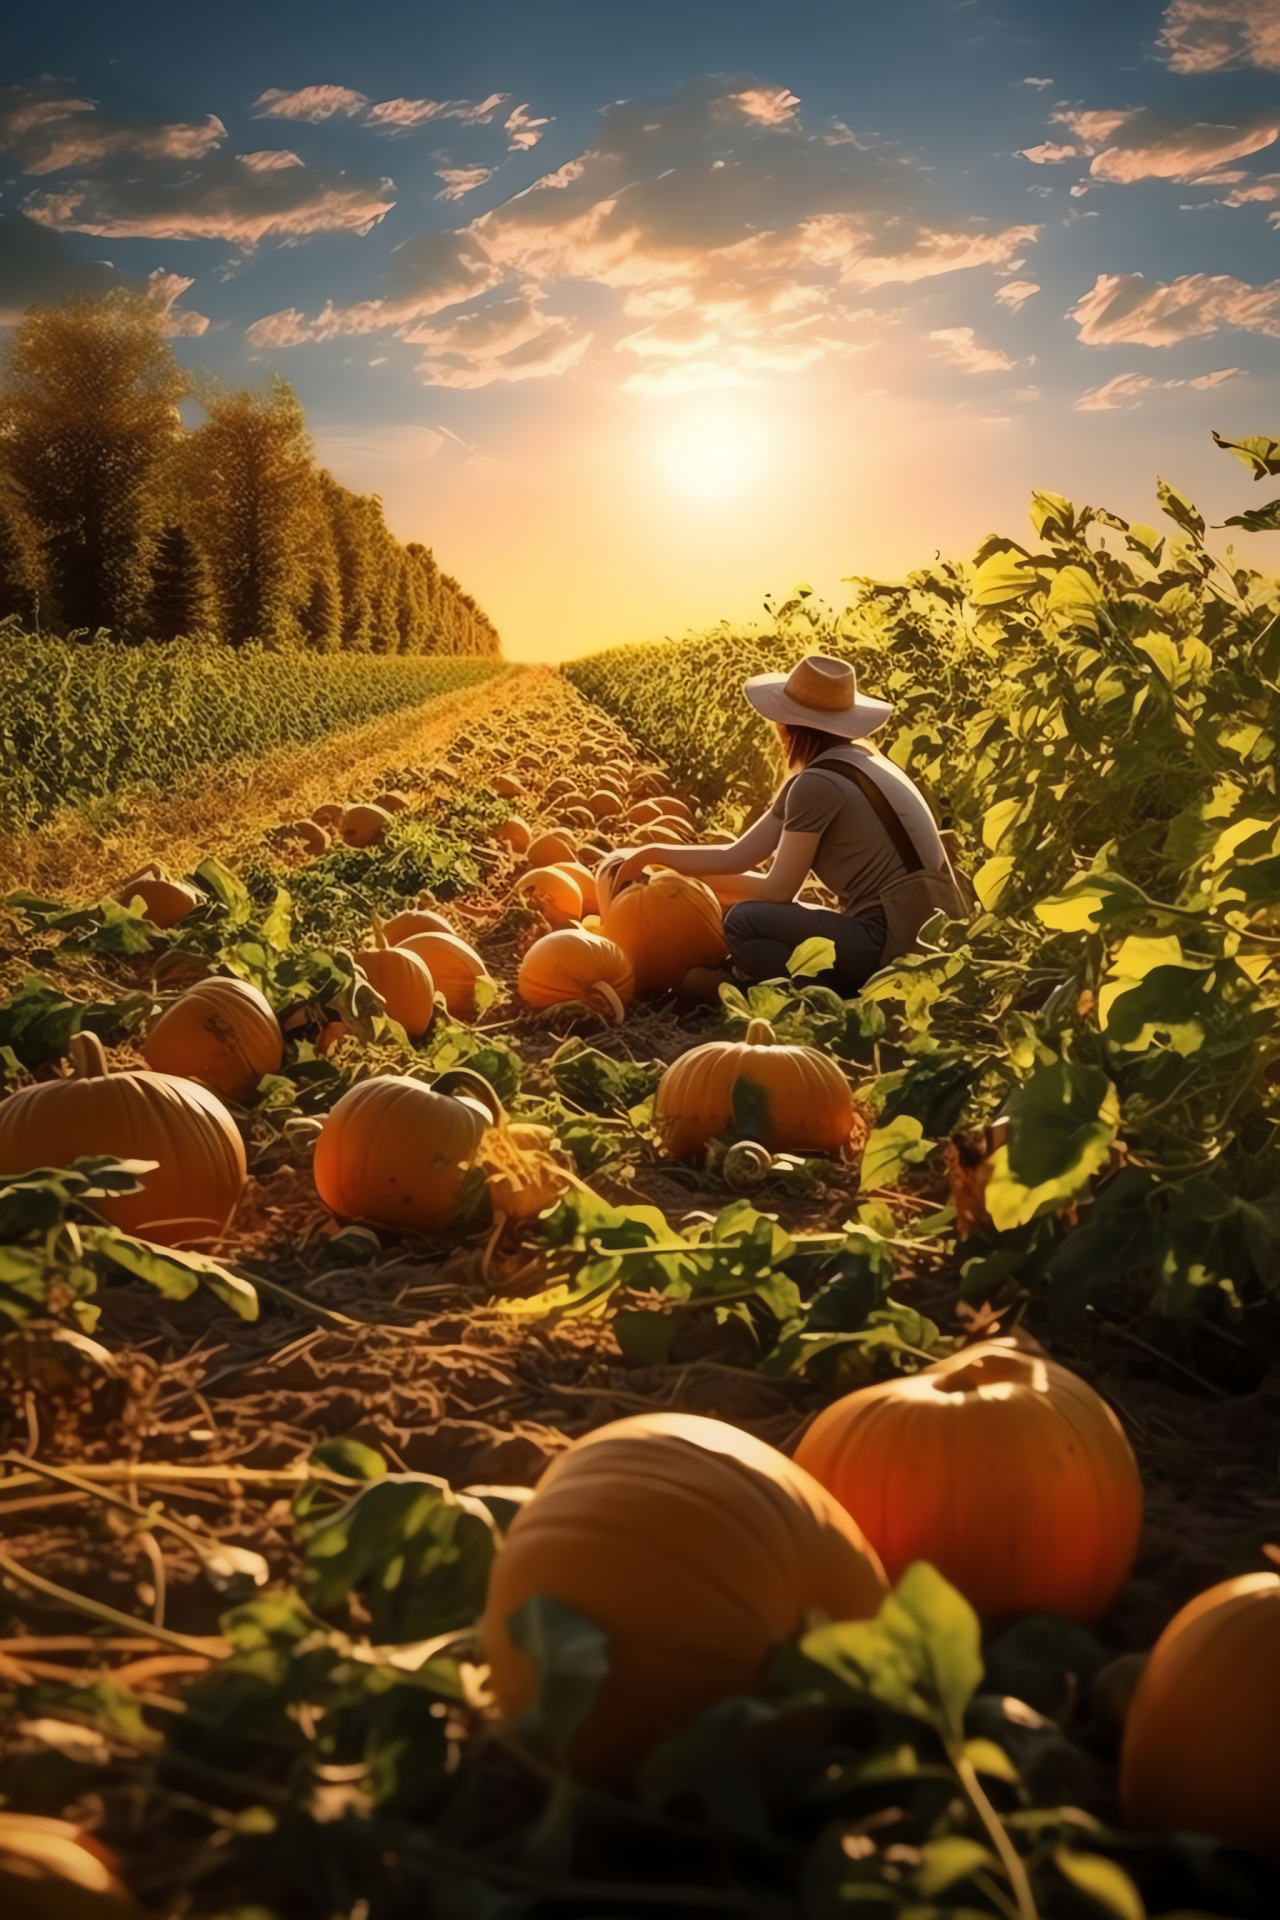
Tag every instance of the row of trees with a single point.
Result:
(115, 514)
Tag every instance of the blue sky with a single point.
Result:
(636, 313)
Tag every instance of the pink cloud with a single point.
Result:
(1200, 36)
(1129, 390)
(434, 271)
(1141, 143)
(461, 180)
(525, 132)
(961, 347)
(163, 290)
(308, 103)
(46, 136)
(401, 115)
(1015, 293)
(1126, 309)
(510, 340)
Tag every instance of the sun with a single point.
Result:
(712, 453)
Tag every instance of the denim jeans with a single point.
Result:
(763, 934)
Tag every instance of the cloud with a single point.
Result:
(1199, 36)
(508, 340)
(524, 131)
(39, 268)
(1015, 293)
(180, 323)
(1124, 309)
(1141, 143)
(427, 274)
(309, 103)
(1129, 390)
(461, 180)
(240, 200)
(401, 116)
(45, 135)
(1033, 81)
(960, 346)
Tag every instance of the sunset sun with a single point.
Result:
(711, 452)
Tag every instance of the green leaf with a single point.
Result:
(1002, 579)
(812, 957)
(1102, 1880)
(172, 1271)
(1257, 519)
(951, 1859)
(227, 888)
(418, 1553)
(890, 1149)
(1180, 510)
(920, 1655)
(1259, 452)
(571, 1656)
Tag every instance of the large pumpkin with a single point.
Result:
(790, 1099)
(419, 919)
(1201, 1749)
(403, 979)
(555, 893)
(665, 926)
(1002, 1468)
(696, 1548)
(455, 967)
(576, 965)
(190, 1195)
(395, 1152)
(165, 900)
(221, 1032)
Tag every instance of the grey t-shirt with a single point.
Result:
(855, 857)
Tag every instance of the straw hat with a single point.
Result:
(818, 692)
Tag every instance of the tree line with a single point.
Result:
(115, 514)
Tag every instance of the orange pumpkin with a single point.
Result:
(404, 980)
(1003, 1469)
(455, 967)
(604, 803)
(515, 833)
(581, 819)
(190, 1194)
(506, 786)
(642, 811)
(584, 880)
(308, 835)
(391, 802)
(555, 893)
(665, 926)
(801, 1100)
(548, 848)
(395, 1152)
(221, 1032)
(671, 805)
(165, 900)
(419, 919)
(360, 826)
(328, 815)
(576, 965)
(1201, 1750)
(697, 1549)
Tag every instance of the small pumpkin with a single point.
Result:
(549, 848)
(403, 979)
(642, 811)
(1002, 1468)
(309, 835)
(192, 1192)
(455, 967)
(577, 965)
(697, 1549)
(506, 786)
(395, 1152)
(671, 805)
(665, 925)
(581, 819)
(360, 826)
(515, 833)
(165, 900)
(1201, 1749)
(419, 919)
(221, 1032)
(328, 814)
(555, 893)
(795, 1099)
(585, 881)
(604, 803)
(391, 802)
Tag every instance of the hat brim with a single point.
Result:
(768, 695)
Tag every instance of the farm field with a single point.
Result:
(249, 1503)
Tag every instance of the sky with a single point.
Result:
(638, 313)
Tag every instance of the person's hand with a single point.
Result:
(634, 862)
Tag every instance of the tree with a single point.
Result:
(181, 599)
(88, 414)
(23, 580)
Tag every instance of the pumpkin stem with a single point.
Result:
(615, 1005)
(88, 1056)
(379, 928)
(760, 1034)
(463, 1083)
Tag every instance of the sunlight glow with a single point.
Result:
(712, 452)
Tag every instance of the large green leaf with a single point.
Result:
(571, 1657)
(1061, 1125)
(921, 1655)
(418, 1553)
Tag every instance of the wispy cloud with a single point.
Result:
(1015, 293)
(313, 104)
(46, 135)
(525, 132)
(401, 115)
(427, 274)
(1125, 309)
(1034, 80)
(508, 340)
(961, 347)
(1200, 36)
(1141, 143)
(1128, 390)
(459, 181)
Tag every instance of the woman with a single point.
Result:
(846, 814)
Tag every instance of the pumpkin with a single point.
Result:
(581, 819)
(311, 837)
(1201, 1750)
(515, 833)
(548, 848)
(789, 1099)
(189, 1195)
(576, 965)
(506, 786)
(642, 811)
(455, 967)
(665, 926)
(403, 979)
(671, 805)
(360, 826)
(391, 802)
(555, 893)
(419, 919)
(328, 815)
(395, 1152)
(165, 900)
(221, 1032)
(559, 787)
(696, 1548)
(584, 880)
(604, 803)
(1003, 1469)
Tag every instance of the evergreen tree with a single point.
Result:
(88, 414)
(322, 615)
(181, 599)
(23, 581)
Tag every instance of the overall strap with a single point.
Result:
(904, 845)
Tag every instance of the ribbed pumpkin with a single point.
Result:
(803, 1102)
(455, 967)
(642, 811)
(585, 881)
(514, 833)
(165, 900)
(1201, 1750)
(696, 1548)
(192, 1192)
(576, 965)
(555, 893)
(391, 802)
(604, 803)
(395, 1152)
(404, 980)
(419, 919)
(548, 848)
(506, 786)
(1003, 1469)
(360, 826)
(665, 926)
(221, 1032)
(673, 806)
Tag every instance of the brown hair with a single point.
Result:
(801, 746)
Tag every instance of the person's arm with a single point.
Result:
(787, 872)
(738, 857)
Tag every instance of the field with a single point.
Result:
(250, 1502)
